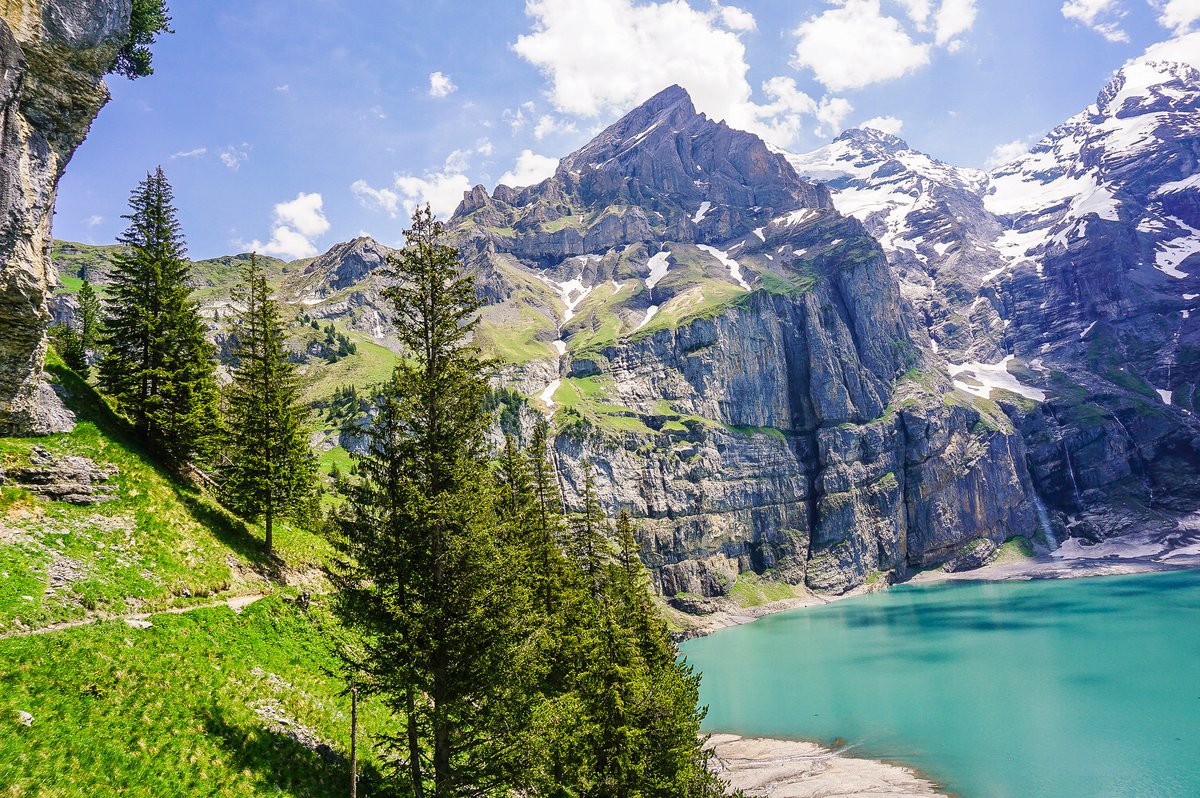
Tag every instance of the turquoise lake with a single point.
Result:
(1078, 688)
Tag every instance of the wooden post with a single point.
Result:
(353, 740)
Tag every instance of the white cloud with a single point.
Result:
(1006, 153)
(1185, 48)
(734, 18)
(458, 161)
(440, 190)
(234, 156)
(440, 85)
(855, 45)
(383, 199)
(918, 11)
(297, 223)
(1178, 15)
(1099, 15)
(283, 88)
(635, 49)
(193, 153)
(885, 124)
(95, 220)
(484, 147)
(831, 113)
(529, 170)
(549, 126)
(953, 18)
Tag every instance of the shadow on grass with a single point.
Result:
(88, 405)
(283, 764)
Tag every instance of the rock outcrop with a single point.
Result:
(53, 58)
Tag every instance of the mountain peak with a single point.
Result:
(873, 139)
(671, 97)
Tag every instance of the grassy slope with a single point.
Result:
(171, 710)
(156, 545)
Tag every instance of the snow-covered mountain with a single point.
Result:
(1072, 271)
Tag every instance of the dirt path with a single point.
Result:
(141, 619)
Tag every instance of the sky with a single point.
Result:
(286, 126)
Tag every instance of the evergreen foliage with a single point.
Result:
(522, 655)
(267, 468)
(148, 19)
(89, 320)
(157, 363)
(427, 579)
(69, 345)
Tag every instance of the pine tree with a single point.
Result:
(267, 468)
(69, 345)
(158, 364)
(426, 577)
(589, 543)
(89, 323)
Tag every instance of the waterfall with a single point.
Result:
(1044, 522)
(1071, 473)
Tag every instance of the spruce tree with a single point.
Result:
(268, 470)
(89, 323)
(426, 574)
(158, 364)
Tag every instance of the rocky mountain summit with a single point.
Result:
(53, 57)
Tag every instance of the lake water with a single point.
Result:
(1079, 688)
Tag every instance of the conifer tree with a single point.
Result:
(89, 323)
(426, 577)
(268, 470)
(158, 364)
(589, 540)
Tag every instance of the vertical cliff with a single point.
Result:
(53, 58)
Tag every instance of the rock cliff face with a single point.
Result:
(53, 57)
(737, 362)
(1070, 276)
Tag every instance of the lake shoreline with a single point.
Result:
(777, 768)
(803, 769)
(1038, 567)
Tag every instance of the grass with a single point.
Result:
(176, 709)
(370, 365)
(156, 545)
(516, 341)
(752, 590)
(1016, 549)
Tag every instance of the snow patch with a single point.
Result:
(547, 396)
(658, 266)
(1164, 395)
(759, 232)
(992, 375)
(735, 269)
(700, 214)
(649, 315)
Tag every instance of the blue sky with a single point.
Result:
(289, 125)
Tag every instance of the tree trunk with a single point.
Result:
(414, 746)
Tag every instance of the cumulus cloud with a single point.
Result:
(1006, 153)
(193, 153)
(1185, 48)
(549, 126)
(440, 85)
(95, 220)
(1099, 15)
(953, 18)
(530, 169)
(441, 188)
(637, 48)
(854, 45)
(1177, 15)
(297, 224)
(734, 18)
(885, 124)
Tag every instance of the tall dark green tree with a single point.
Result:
(426, 576)
(157, 363)
(267, 468)
(89, 319)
